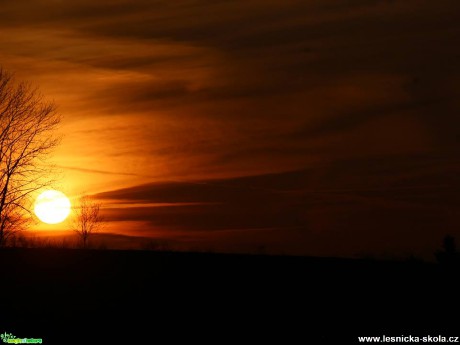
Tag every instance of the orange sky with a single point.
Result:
(358, 101)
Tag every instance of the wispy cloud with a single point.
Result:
(95, 171)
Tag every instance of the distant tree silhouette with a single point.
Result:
(156, 245)
(27, 123)
(449, 253)
(87, 219)
(448, 244)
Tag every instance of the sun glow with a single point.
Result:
(52, 207)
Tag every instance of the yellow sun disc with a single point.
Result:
(52, 207)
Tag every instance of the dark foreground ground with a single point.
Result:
(70, 296)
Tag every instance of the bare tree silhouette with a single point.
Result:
(27, 123)
(87, 219)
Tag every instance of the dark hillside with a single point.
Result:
(84, 296)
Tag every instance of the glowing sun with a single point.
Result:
(52, 207)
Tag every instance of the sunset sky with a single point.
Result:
(309, 127)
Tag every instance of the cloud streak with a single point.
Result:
(305, 209)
